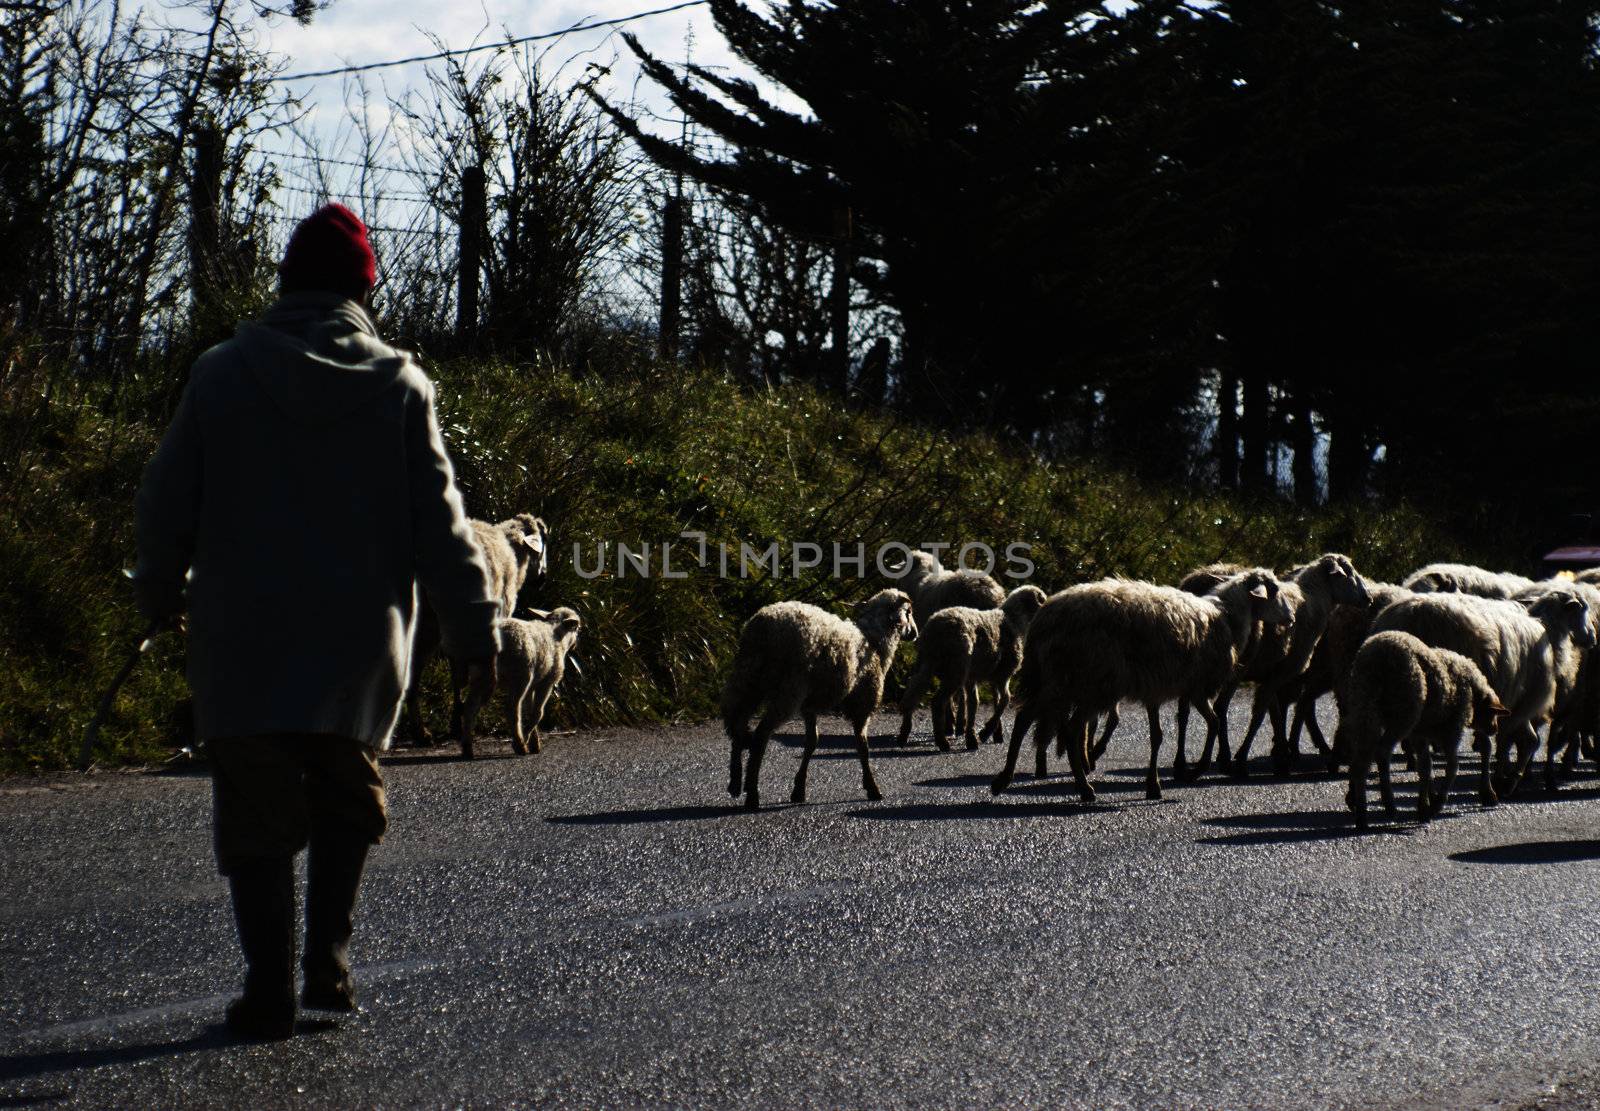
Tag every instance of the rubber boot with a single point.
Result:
(333, 876)
(263, 909)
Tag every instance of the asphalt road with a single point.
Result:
(599, 926)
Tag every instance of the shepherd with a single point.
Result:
(300, 495)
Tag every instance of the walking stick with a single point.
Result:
(89, 734)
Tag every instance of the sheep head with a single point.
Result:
(529, 538)
(1344, 584)
(918, 566)
(887, 614)
(1564, 613)
(1021, 604)
(1267, 601)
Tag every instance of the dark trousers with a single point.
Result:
(273, 796)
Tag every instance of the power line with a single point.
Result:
(342, 162)
(488, 46)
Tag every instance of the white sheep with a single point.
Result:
(1521, 652)
(1348, 627)
(1573, 714)
(1402, 690)
(532, 660)
(1281, 660)
(1091, 646)
(795, 658)
(961, 647)
(932, 588)
(515, 550)
(1463, 578)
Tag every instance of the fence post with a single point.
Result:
(474, 217)
(839, 300)
(205, 239)
(671, 275)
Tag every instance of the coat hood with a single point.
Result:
(318, 356)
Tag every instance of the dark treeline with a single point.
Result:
(1306, 250)
(1333, 250)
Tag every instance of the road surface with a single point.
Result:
(599, 926)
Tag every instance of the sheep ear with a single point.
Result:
(1496, 709)
(539, 615)
(1260, 591)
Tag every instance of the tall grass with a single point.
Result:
(636, 458)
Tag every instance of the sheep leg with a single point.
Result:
(1424, 750)
(1452, 761)
(1283, 754)
(738, 742)
(1113, 719)
(1487, 795)
(1356, 798)
(1306, 708)
(1258, 712)
(514, 701)
(799, 792)
(1527, 742)
(1217, 731)
(758, 750)
(1213, 719)
(1385, 779)
(1078, 752)
(868, 783)
(970, 714)
(1152, 778)
(1180, 762)
(540, 699)
(1019, 729)
(1041, 749)
(995, 729)
(916, 687)
(941, 716)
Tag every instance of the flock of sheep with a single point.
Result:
(1412, 667)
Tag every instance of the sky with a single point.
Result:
(353, 32)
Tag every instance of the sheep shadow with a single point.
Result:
(652, 814)
(842, 746)
(1533, 852)
(442, 755)
(978, 808)
(1026, 783)
(1294, 826)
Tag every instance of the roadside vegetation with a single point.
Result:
(633, 456)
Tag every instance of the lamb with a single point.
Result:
(796, 658)
(532, 660)
(961, 647)
(1093, 645)
(515, 550)
(1401, 689)
(1281, 661)
(1521, 652)
(1463, 578)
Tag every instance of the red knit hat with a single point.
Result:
(329, 250)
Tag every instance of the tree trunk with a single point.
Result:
(1348, 456)
(1255, 431)
(1227, 442)
(1303, 436)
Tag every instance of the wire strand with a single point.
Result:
(618, 21)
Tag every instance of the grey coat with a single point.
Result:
(298, 496)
